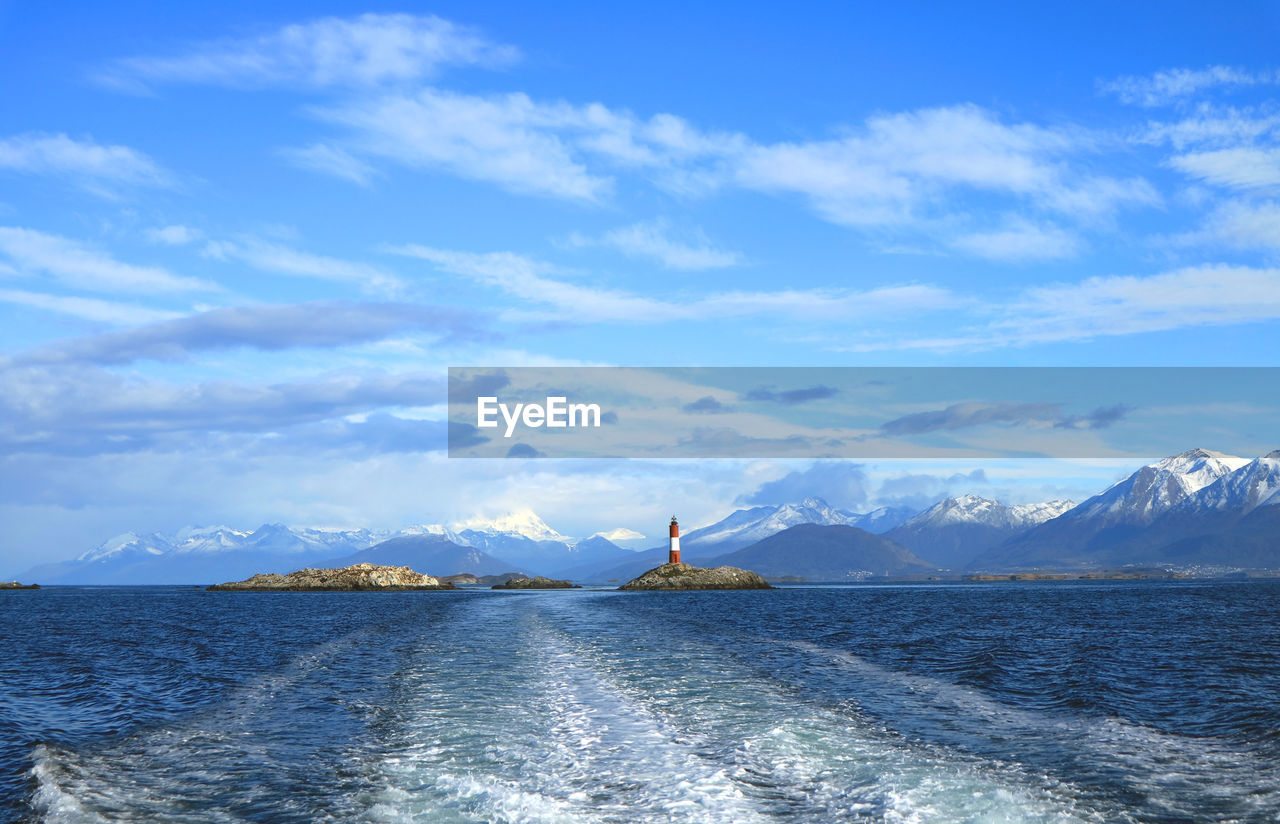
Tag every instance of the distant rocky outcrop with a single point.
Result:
(683, 576)
(358, 577)
(466, 578)
(536, 582)
(16, 585)
(490, 580)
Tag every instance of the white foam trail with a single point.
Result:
(674, 732)
(50, 800)
(573, 749)
(810, 763)
(172, 774)
(1162, 763)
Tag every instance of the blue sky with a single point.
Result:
(239, 245)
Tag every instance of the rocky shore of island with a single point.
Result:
(16, 585)
(536, 582)
(355, 578)
(683, 576)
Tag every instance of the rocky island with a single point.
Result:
(536, 582)
(358, 577)
(16, 585)
(682, 576)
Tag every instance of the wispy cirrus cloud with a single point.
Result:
(1239, 167)
(791, 397)
(101, 169)
(1172, 85)
(657, 240)
(268, 256)
(90, 309)
(900, 168)
(331, 160)
(968, 415)
(1021, 240)
(1100, 307)
(272, 327)
(76, 264)
(173, 235)
(1238, 224)
(362, 51)
(532, 282)
(85, 410)
(508, 140)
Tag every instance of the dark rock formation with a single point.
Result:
(536, 582)
(683, 576)
(489, 580)
(352, 578)
(16, 585)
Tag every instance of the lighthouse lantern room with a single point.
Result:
(673, 556)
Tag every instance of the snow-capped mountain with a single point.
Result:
(747, 526)
(953, 532)
(523, 523)
(127, 545)
(881, 520)
(972, 509)
(1255, 484)
(1156, 488)
(1085, 535)
(197, 554)
(1230, 523)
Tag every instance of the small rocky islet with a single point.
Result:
(536, 582)
(374, 578)
(355, 578)
(16, 585)
(683, 576)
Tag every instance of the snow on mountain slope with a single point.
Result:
(1156, 488)
(972, 509)
(747, 526)
(127, 545)
(1255, 484)
(523, 523)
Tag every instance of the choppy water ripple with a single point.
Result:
(1054, 703)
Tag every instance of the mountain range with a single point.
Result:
(1197, 510)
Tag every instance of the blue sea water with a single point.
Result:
(1055, 702)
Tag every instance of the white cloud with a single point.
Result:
(901, 168)
(331, 160)
(1171, 85)
(529, 280)
(1241, 225)
(1119, 305)
(79, 265)
(1021, 240)
(1217, 126)
(622, 533)
(653, 239)
(362, 51)
(92, 309)
(900, 171)
(86, 163)
(285, 260)
(1240, 167)
(509, 140)
(173, 235)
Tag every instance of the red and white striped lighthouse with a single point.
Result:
(673, 555)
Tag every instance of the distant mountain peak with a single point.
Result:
(524, 523)
(974, 509)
